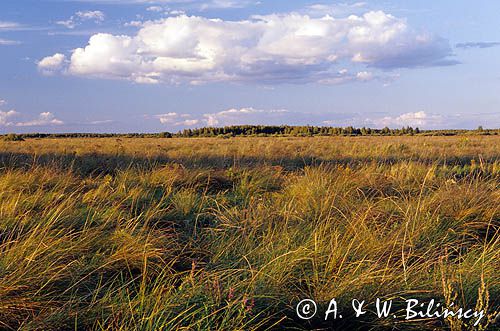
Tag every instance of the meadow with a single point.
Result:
(230, 234)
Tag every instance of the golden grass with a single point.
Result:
(213, 234)
(270, 148)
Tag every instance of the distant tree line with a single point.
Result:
(309, 131)
(262, 131)
(294, 131)
(12, 136)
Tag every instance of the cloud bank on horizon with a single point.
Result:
(253, 116)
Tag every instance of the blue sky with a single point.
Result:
(149, 66)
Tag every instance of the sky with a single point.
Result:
(166, 65)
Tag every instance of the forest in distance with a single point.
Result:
(265, 131)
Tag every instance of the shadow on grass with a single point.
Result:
(97, 164)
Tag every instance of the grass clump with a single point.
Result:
(12, 137)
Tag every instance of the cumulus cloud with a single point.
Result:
(81, 16)
(242, 116)
(270, 49)
(168, 118)
(7, 118)
(44, 119)
(12, 118)
(420, 119)
(177, 119)
(52, 64)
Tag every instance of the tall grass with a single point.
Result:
(187, 237)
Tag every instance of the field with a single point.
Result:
(230, 234)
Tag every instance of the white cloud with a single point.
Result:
(52, 64)
(169, 118)
(345, 76)
(364, 76)
(273, 48)
(176, 12)
(6, 116)
(44, 119)
(100, 122)
(420, 119)
(70, 23)
(248, 110)
(177, 119)
(195, 4)
(79, 17)
(211, 120)
(134, 23)
(242, 116)
(188, 122)
(157, 9)
(8, 42)
(335, 8)
(5, 25)
(225, 4)
(96, 15)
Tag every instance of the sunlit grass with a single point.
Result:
(211, 234)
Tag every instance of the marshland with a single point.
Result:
(230, 234)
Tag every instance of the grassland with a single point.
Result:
(229, 234)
